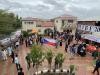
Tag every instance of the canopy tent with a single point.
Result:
(34, 31)
(14, 37)
(91, 48)
(96, 34)
(91, 37)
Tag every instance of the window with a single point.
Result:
(38, 25)
(56, 21)
(28, 22)
(63, 23)
(70, 21)
(39, 30)
(25, 22)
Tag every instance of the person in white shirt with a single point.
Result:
(4, 54)
(17, 62)
(9, 49)
(17, 44)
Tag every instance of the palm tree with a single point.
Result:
(59, 59)
(49, 57)
(37, 56)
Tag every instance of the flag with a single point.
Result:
(49, 41)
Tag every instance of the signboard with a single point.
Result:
(89, 28)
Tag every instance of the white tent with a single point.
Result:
(96, 34)
(91, 37)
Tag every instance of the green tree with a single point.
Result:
(37, 56)
(49, 57)
(59, 59)
(8, 22)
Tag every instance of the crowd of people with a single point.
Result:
(11, 51)
(72, 43)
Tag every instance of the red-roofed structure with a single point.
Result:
(47, 24)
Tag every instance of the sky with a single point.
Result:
(83, 9)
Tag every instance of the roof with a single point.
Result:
(47, 24)
(90, 19)
(65, 16)
(30, 19)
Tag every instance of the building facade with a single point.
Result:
(66, 22)
(61, 23)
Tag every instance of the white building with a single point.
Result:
(63, 22)
(40, 25)
(66, 22)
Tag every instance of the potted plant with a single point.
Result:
(37, 56)
(72, 69)
(49, 57)
(59, 59)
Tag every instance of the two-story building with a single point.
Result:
(64, 22)
(42, 26)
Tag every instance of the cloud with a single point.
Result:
(51, 8)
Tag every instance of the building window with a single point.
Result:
(56, 21)
(70, 21)
(38, 25)
(29, 22)
(63, 23)
(39, 30)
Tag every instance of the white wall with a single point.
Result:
(26, 26)
(58, 24)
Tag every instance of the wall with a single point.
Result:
(26, 26)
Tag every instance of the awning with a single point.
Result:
(34, 31)
(91, 37)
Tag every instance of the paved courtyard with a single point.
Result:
(84, 65)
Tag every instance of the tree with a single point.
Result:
(37, 56)
(59, 59)
(49, 57)
(8, 22)
(18, 22)
(25, 33)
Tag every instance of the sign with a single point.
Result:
(89, 28)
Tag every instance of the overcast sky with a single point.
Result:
(83, 9)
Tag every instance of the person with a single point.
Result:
(17, 44)
(28, 60)
(31, 42)
(4, 54)
(21, 72)
(9, 49)
(97, 66)
(12, 55)
(57, 42)
(21, 39)
(60, 42)
(79, 48)
(17, 62)
(66, 46)
(26, 42)
(82, 51)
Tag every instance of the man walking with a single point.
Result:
(28, 61)
(97, 66)
(17, 62)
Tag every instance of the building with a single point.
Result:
(88, 26)
(43, 26)
(61, 23)
(65, 22)
(89, 30)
